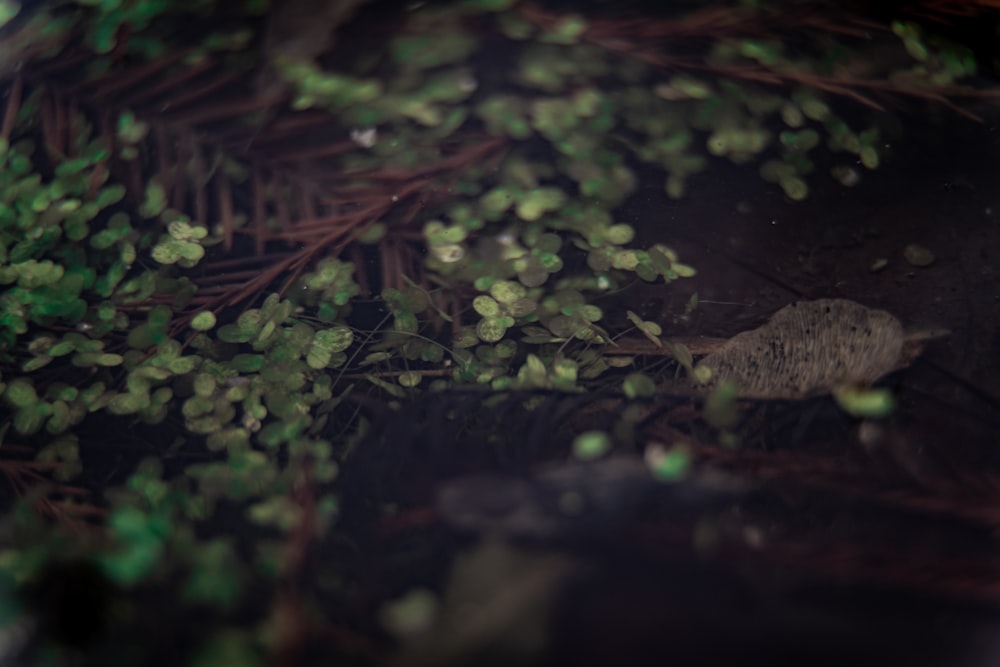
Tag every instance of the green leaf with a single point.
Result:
(506, 291)
(156, 200)
(338, 338)
(126, 404)
(327, 343)
(567, 30)
(183, 365)
(21, 393)
(393, 389)
(146, 336)
(409, 378)
(373, 234)
(539, 201)
(108, 359)
(33, 274)
(533, 373)
(203, 321)
(491, 329)
(865, 403)
(247, 363)
(204, 385)
(35, 363)
(650, 330)
(232, 333)
(668, 465)
(60, 420)
(590, 312)
(682, 354)
(109, 195)
(564, 373)
(591, 445)
(131, 130)
(90, 395)
(619, 234)
(190, 251)
(228, 438)
(166, 253)
(141, 549)
(8, 10)
(29, 420)
(375, 358)
(405, 323)
(318, 357)
(638, 385)
(683, 270)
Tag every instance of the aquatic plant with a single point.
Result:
(188, 218)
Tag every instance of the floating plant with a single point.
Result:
(241, 239)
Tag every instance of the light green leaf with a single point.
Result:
(668, 465)
(867, 403)
(491, 329)
(486, 306)
(203, 321)
(8, 10)
(410, 378)
(591, 445)
(507, 291)
(650, 330)
(156, 200)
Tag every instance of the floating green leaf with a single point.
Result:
(638, 385)
(326, 343)
(141, 538)
(130, 129)
(21, 393)
(668, 465)
(591, 445)
(566, 31)
(721, 407)
(410, 378)
(865, 403)
(125, 404)
(203, 321)
(537, 202)
(8, 10)
(491, 329)
(650, 330)
(486, 306)
(506, 292)
(156, 200)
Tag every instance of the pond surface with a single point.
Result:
(508, 519)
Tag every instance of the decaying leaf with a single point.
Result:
(810, 347)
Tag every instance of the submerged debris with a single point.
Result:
(809, 348)
(576, 498)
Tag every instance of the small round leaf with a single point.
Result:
(203, 321)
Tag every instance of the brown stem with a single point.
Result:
(13, 106)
